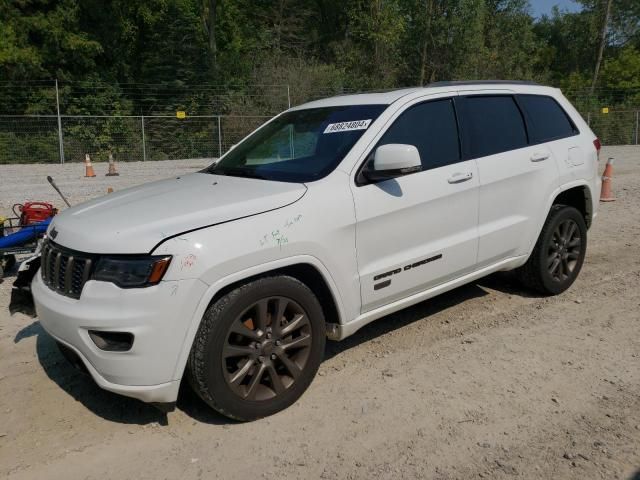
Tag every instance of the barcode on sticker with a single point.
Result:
(347, 126)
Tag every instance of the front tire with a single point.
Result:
(258, 348)
(559, 253)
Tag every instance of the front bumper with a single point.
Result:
(157, 316)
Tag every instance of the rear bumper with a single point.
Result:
(157, 316)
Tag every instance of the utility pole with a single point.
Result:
(60, 139)
(144, 143)
(603, 41)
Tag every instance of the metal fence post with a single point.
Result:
(637, 124)
(144, 148)
(219, 138)
(60, 139)
(288, 97)
(589, 118)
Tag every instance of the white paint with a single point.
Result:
(480, 215)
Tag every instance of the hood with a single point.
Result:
(135, 220)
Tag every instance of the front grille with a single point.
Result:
(63, 270)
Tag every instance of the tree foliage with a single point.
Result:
(315, 46)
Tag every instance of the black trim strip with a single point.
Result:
(398, 270)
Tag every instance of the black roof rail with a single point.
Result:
(480, 82)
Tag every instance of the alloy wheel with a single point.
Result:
(564, 250)
(266, 348)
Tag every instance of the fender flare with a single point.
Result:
(543, 218)
(214, 288)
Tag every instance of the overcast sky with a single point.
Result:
(540, 7)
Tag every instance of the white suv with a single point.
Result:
(331, 215)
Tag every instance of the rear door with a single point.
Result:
(516, 178)
(548, 123)
(419, 230)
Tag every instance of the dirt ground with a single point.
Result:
(487, 381)
(22, 183)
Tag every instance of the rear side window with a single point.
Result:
(432, 128)
(547, 120)
(492, 124)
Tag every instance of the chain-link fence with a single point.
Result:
(37, 139)
(44, 122)
(47, 121)
(615, 127)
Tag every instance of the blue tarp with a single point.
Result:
(24, 235)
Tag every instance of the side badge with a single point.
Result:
(386, 283)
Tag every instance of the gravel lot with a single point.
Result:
(486, 381)
(22, 183)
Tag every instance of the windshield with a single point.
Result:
(299, 146)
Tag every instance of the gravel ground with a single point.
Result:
(27, 183)
(486, 381)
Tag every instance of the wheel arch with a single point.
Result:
(576, 194)
(309, 270)
(579, 197)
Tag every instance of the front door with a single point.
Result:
(416, 231)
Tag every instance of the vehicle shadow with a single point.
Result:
(504, 282)
(193, 406)
(119, 409)
(403, 318)
(107, 405)
(507, 282)
(82, 388)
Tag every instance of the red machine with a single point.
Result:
(34, 212)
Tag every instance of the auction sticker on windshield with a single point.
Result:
(347, 126)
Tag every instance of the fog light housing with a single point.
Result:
(112, 341)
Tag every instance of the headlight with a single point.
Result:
(131, 272)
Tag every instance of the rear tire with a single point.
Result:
(258, 348)
(559, 253)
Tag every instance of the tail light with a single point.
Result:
(598, 145)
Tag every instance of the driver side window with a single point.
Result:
(432, 128)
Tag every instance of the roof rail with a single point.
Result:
(480, 82)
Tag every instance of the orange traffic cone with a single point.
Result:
(88, 168)
(605, 192)
(112, 168)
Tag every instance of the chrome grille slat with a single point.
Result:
(43, 263)
(56, 271)
(87, 271)
(65, 271)
(68, 274)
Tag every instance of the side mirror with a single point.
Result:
(393, 160)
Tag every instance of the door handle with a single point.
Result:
(460, 177)
(539, 156)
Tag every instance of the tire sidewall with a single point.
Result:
(560, 215)
(235, 303)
